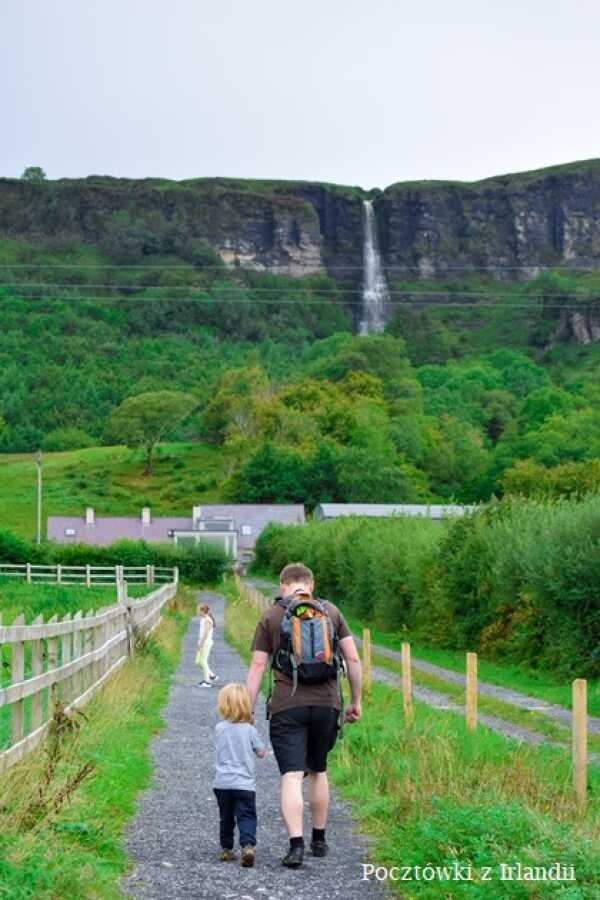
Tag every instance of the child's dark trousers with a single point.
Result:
(237, 807)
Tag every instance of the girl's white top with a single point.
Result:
(206, 629)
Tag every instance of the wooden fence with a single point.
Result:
(89, 575)
(67, 661)
(250, 594)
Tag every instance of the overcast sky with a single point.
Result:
(363, 93)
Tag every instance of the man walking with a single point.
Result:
(304, 638)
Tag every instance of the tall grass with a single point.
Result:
(60, 838)
(433, 793)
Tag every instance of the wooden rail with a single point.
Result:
(89, 575)
(67, 661)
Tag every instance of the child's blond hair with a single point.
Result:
(234, 703)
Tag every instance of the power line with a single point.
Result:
(224, 289)
(323, 302)
(591, 267)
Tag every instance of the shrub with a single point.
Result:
(202, 564)
(517, 580)
(67, 439)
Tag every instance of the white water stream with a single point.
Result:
(376, 295)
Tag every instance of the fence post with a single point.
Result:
(367, 674)
(88, 575)
(471, 704)
(407, 682)
(58, 574)
(88, 642)
(28, 571)
(77, 645)
(52, 650)
(97, 667)
(36, 669)
(65, 652)
(129, 619)
(176, 575)
(17, 674)
(148, 574)
(580, 742)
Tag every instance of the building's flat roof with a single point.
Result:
(431, 510)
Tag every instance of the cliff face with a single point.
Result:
(425, 229)
(293, 228)
(509, 225)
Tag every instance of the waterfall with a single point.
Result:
(376, 296)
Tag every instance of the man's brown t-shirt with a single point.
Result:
(266, 638)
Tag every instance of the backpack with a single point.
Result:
(308, 648)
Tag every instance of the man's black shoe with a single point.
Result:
(294, 858)
(319, 848)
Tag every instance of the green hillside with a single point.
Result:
(110, 480)
(479, 385)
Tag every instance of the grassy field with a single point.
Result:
(48, 600)
(63, 837)
(433, 794)
(110, 479)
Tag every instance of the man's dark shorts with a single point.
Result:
(302, 737)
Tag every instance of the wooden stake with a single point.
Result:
(471, 704)
(367, 678)
(17, 675)
(580, 742)
(37, 667)
(407, 682)
(52, 651)
(65, 648)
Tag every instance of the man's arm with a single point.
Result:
(255, 674)
(353, 665)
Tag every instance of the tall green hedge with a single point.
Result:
(202, 564)
(518, 580)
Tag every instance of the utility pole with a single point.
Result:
(38, 538)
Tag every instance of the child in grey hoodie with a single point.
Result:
(237, 744)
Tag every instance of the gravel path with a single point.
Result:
(173, 839)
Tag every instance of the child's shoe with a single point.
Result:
(204, 684)
(214, 677)
(227, 855)
(248, 857)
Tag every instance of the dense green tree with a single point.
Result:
(144, 420)
(33, 173)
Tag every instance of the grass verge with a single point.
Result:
(64, 808)
(433, 794)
